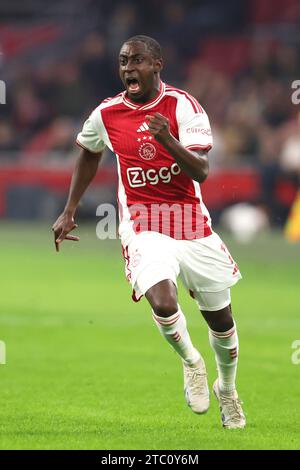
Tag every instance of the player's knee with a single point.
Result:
(220, 320)
(222, 324)
(165, 307)
(163, 298)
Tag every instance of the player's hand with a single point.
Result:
(62, 227)
(159, 127)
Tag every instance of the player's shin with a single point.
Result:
(174, 329)
(225, 346)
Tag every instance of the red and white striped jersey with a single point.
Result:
(153, 192)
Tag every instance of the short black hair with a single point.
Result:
(152, 45)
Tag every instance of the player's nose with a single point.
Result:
(129, 67)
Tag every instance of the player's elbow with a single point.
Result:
(203, 174)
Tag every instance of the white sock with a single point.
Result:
(226, 346)
(174, 329)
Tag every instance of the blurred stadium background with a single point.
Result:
(238, 59)
(67, 319)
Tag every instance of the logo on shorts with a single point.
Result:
(136, 259)
(147, 151)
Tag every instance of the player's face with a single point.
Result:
(139, 71)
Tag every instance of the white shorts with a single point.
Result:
(204, 265)
(212, 301)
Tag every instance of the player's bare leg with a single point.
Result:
(224, 341)
(172, 324)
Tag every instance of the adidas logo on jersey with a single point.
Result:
(143, 127)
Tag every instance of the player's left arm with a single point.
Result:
(193, 162)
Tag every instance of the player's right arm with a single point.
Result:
(84, 172)
(92, 144)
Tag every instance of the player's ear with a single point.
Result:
(158, 65)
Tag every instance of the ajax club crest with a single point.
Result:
(147, 151)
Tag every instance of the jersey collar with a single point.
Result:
(149, 104)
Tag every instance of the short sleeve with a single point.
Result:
(193, 124)
(91, 138)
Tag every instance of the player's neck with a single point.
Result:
(154, 92)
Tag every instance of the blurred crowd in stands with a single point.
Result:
(238, 65)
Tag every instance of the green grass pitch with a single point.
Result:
(87, 368)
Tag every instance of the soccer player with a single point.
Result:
(161, 137)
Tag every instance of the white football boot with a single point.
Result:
(232, 414)
(196, 390)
